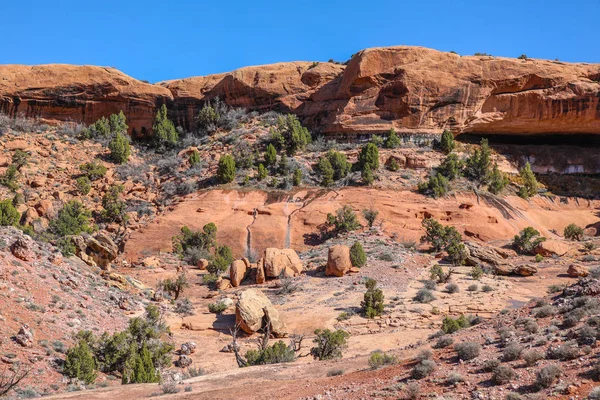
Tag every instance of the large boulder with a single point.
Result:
(238, 271)
(489, 256)
(279, 262)
(552, 247)
(250, 313)
(577, 271)
(98, 250)
(22, 248)
(338, 260)
(525, 270)
(260, 272)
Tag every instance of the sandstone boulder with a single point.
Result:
(22, 248)
(279, 262)
(552, 247)
(223, 283)
(238, 271)
(260, 272)
(525, 270)
(98, 250)
(25, 336)
(338, 260)
(488, 256)
(202, 264)
(577, 271)
(250, 313)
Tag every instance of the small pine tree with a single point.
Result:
(372, 305)
(339, 163)
(83, 185)
(113, 206)
(529, 182)
(450, 167)
(367, 177)
(9, 216)
(118, 123)
(297, 177)
(262, 173)
(226, 169)
(369, 158)
(194, 158)
(498, 180)
(72, 219)
(283, 165)
(80, 363)
(325, 170)
(208, 118)
(165, 133)
(101, 128)
(393, 165)
(392, 141)
(477, 166)
(270, 155)
(447, 142)
(120, 148)
(357, 255)
(370, 215)
(527, 240)
(571, 232)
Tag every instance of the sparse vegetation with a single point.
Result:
(573, 232)
(380, 359)
(372, 304)
(527, 240)
(467, 350)
(357, 255)
(329, 344)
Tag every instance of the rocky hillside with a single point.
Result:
(414, 89)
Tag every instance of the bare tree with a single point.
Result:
(9, 380)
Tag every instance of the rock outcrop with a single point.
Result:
(552, 247)
(277, 262)
(98, 250)
(338, 260)
(250, 313)
(238, 271)
(490, 257)
(577, 271)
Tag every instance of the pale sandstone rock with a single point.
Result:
(577, 271)
(249, 313)
(338, 261)
(282, 261)
(238, 272)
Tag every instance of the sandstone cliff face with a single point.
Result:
(413, 89)
(78, 93)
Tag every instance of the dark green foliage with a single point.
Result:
(367, 177)
(217, 308)
(477, 166)
(66, 246)
(370, 215)
(447, 142)
(175, 287)
(297, 180)
(527, 240)
(221, 260)
(9, 216)
(457, 252)
(270, 155)
(498, 180)
(20, 159)
(339, 163)
(208, 118)
(357, 255)
(291, 135)
(194, 158)
(379, 359)
(165, 134)
(450, 325)
(262, 173)
(99, 129)
(393, 165)
(530, 184)
(283, 166)
(114, 206)
(392, 141)
(81, 363)
(329, 344)
(120, 148)
(83, 185)
(325, 170)
(467, 350)
(226, 169)
(93, 170)
(439, 236)
(344, 221)
(10, 178)
(503, 374)
(72, 219)
(372, 305)
(436, 274)
(368, 158)
(118, 123)
(139, 367)
(451, 167)
(277, 353)
(437, 186)
(189, 239)
(573, 232)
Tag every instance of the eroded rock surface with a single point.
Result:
(249, 313)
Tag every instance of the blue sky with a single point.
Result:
(159, 40)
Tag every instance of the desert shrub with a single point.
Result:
(165, 134)
(531, 357)
(325, 171)
(113, 206)
(201, 239)
(503, 374)
(9, 216)
(339, 163)
(392, 141)
(457, 252)
(80, 363)
(83, 185)
(93, 170)
(498, 180)
(423, 355)
(487, 288)
(451, 167)
(20, 159)
(368, 158)
(297, 177)
(10, 178)
(477, 165)
(587, 335)
(279, 352)
(544, 311)
(379, 359)
(344, 221)
(539, 258)
(527, 240)
(367, 177)
(490, 365)
(208, 117)
(429, 284)
(120, 149)
(530, 326)
(194, 158)
(443, 342)
(174, 287)
(512, 352)
(372, 304)
(437, 186)
(217, 308)
(226, 169)
(451, 325)
(467, 350)
(221, 260)
(357, 255)
(452, 288)
(573, 232)
(423, 369)
(270, 155)
(424, 296)
(454, 378)
(439, 236)
(473, 288)
(594, 394)
(262, 173)
(530, 184)
(413, 391)
(436, 273)
(329, 344)
(566, 351)
(370, 215)
(290, 135)
(546, 376)
(447, 144)
(393, 165)
(72, 219)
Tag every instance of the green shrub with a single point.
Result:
(527, 240)
(529, 182)
(573, 232)
(93, 170)
(297, 179)
(226, 169)
(344, 221)
(329, 344)
(437, 186)
(544, 311)
(503, 374)
(450, 325)
(100, 128)
(487, 288)
(72, 219)
(277, 353)
(447, 144)
(291, 134)
(325, 171)
(9, 216)
(423, 369)
(113, 206)
(539, 258)
(467, 350)
(392, 141)
(368, 158)
(120, 150)
(221, 260)
(194, 158)
(476, 272)
(208, 117)
(201, 239)
(424, 296)
(379, 359)
(262, 173)
(393, 165)
(498, 180)
(436, 274)
(477, 165)
(357, 255)
(367, 177)
(439, 236)
(118, 123)
(165, 134)
(174, 287)
(457, 252)
(20, 159)
(217, 308)
(270, 155)
(546, 376)
(80, 363)
(339, 163)
(372, 304)
(83, 185)
(451, 167)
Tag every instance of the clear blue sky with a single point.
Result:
(159, 40)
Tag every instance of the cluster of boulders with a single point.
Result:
(184, 359)
(98, 250)
(495, 258)
(252, 310)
